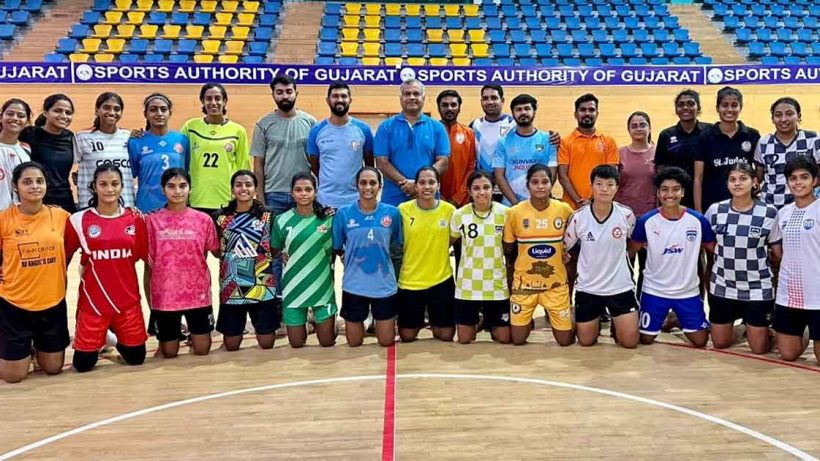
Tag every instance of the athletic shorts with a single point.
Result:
(128, 325)
(589, 307)
(791, 321)
(19, 329)
(297, 316)
(496, 312)
(355, 308)
(200, 321)
(754, 313)
(264, 317)
(554, 301)
(655, 308)
(437, 301)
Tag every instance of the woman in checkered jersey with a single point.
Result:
(740, 285)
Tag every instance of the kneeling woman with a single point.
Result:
(179, 239)
(247, 286)
(364, 233)
(304, 236)
(32, 295)
(112, 239)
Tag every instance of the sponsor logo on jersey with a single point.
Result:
(370, 218)
(322, 229)
(131, 230)
(755, 231)
(589, 237)
(355, 144)
(117, 162)
(499, 229)
(178, 148)
(20, 232)
(539, 147)
(541, 251)
(558, 223)
(386, 221)
(114, 253)
(351, 223)
(808, 223)
(673, 140)
(617, 233)
(229, 147)
(746, 146)
(162, 143)
(673, 249)
(146, 150)
(460, 138)
(516, 308)
(94, 231)
(691, 234)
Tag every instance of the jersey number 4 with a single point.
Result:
(211, 160)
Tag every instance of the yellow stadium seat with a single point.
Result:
(370, 61)
(78, 57)
(480, 50)
(392, 9)
(150, 31)
(135, 17)
(112, 17)
(230, 6)
(350, 35)
(372, 49)
(353, 8)
(438, 61)
(393, 61)
(431, 10)
(234, 47)
(165, 6)
(476, 35)
(192, 31)
(372, 21)
(145, 5)
(224, 19)
(171, 32)
(91, 45)
(351, 20)
(250, 7)
(435, 35)
(122, 5)
(349, 48)
(102, 31)
(207, 6)
(211, 46)
(412, 9)
(115, 45)
(461, 61)
(471, 10)
(373, 8)
(203, 58)
(186, 6)
(228, 59)
(217, 32)
(126, 30)
(451, 9)
(458, 50)
(416, 61)
(240, 32)
(455, 35)
(103, 57)
(372, 35)
(245, 19)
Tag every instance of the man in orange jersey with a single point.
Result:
(462, 149)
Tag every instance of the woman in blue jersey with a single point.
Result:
(247, 286)
(158, 149)
(363, 234)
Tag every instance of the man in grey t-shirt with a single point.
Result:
(279, 145)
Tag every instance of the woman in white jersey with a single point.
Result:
(14, 116)
(104, 143)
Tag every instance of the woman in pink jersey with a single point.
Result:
(112, 239)
(179, 283)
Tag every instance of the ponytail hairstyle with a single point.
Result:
(104, 168)
(148, 100)
(100, 101)
(747, 169)
(48, 103)
(318, 209)
(258, 208)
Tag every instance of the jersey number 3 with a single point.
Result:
(211, 160)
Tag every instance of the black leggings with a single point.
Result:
(85, 361)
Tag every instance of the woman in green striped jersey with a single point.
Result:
(304, 235)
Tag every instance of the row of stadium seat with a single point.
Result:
(573, 2)
(491, 23)
(764, 35)
(32, 6)
(485, 62)
(184, 6)
(79, 31)
(153, 58)
(179, 19)
(162, 46)
(762, 9)
(409, 9)
(772, 22)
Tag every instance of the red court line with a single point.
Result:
(389, 431)
(746, 356)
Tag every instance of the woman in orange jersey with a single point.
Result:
(32, 295)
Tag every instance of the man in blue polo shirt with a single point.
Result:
(406, 142)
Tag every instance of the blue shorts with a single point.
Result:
(655, 308)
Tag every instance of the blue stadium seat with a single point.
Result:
(661, 9)
(586, 50)
(507, 62)
(805, 35)
(659, 61)
(101, 5)
(791, 60)
(813, 60)
(670, 49)
(758, 9)
(528, 11)
(348, 61)
(638, 61)
(640, 36)
(513, 23)
(433, 23)
(558, 36)
(333, 8)
(799, 49)
(263, 34)
(631, 23)
(743, 35)
(66, 45)
(7, 31)
(594, 23)
(128, 58)
(651, 22)
(815, 48)
(731, 23)
(273, 7)
(574, 62)
(533, 23)
(641, 9)
(612, 22)
(493, 23)
(547, 10)
(186, 46)
(772, 22)
(257, 59)
(414, 35)
(522, 50)
(573, 23)
(32, 6)
(600, 36)
(472, 23)
(392, 22)
(138, 46)
(720, 9)
(201, 19)
(623, 11)
(333, 21)
(620, 36)
(770, 60)
(608, 50)
(543, 50)
(756, 49)
(415, 49)
(19, 18)
(267, 20)
(392, 35)
(328, 34)
(509, 11)
(593, 62)
(752, 22)
(328, 49)
(615, 62)
(584, 11)
(550, 62)
(691, 49)
(324, 60)
(538, 36)
(482, 62)
(412, 22)
(179, 19)
(490, 11)
(437, 50)
(90, 18)
(764, 35)
(393, 50)
(629, 50)
(566, 11)
(671, 22)
(153, 58)
(532, 62)
(178, 58)
(496, 36)
(155, 18)
(579, 36)
(501, 50)
(649, 50)
(681, 60)
(564, 50)
(660, 35)
(518, 36)
(79, 31)
(165, 46)
(784, 35)
(739, 9)
(454, 23)
(553, 23)
(257, 48)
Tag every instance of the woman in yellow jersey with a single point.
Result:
(218, 149)
(533, 234)
(32, 295)
(426, 278)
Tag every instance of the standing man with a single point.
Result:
(492, 126)
(408, 141)
(462, 150)
(279, 145)
(676, 144)
(520, 149)
(338, 147)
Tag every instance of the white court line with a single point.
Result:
(714, 419)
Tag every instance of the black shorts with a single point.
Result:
(19, 329)
(589, 307)
(355, 307)
(200, 321)
(437, 300)
(791, 321)
(264, 317)
(496, 313)
(754, 313)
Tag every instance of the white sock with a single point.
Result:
(110, 339)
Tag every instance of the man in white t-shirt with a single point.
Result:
(673, 236)
(601, 229)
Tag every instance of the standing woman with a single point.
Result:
(774, 150)
(219, 148)
(179, 240)
(364, 233)
(481, 275)
(636, 187)
(426, 277)
(102, 144)
(158, 149)
(15, 115)
(112, 239)
(719, 147)
(304, 235)
(247, 286)
(740, 284)
(32, 295)
(52, 146)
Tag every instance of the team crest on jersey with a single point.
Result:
(442, 223)
(558, 223)
(460, 138)
(178, 148)
(229, 147)
(322, 229)
(691, 234)
(539, 147)
(617, 233)
(94, 231)
(755, 232)
(146, 149)
(746, 146)
(351, 223)
(131, 230)
(526, 223)
(386, 221)
(355, 144)
(808, 223)
(499, 229)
